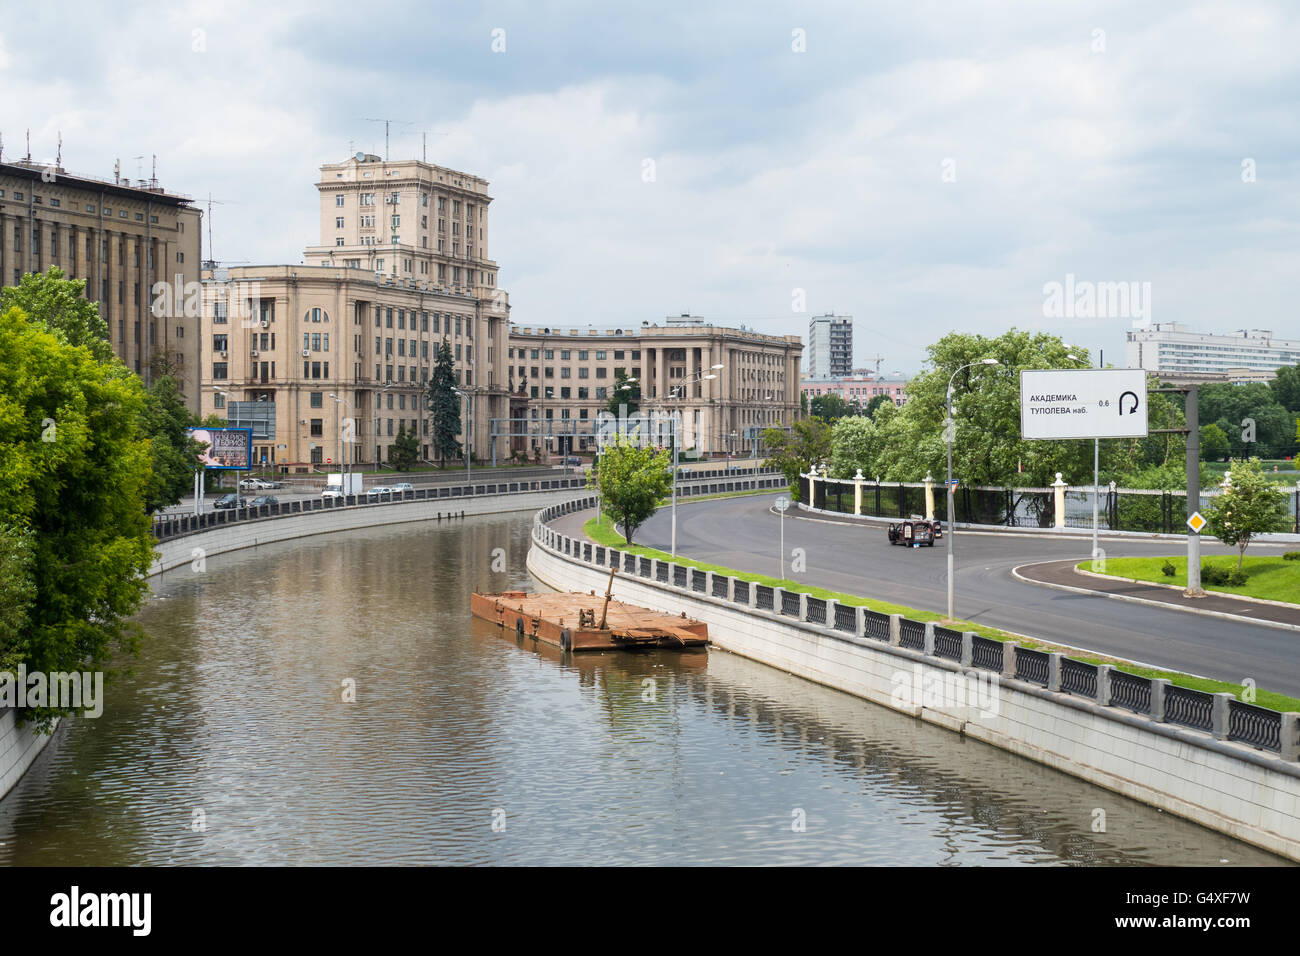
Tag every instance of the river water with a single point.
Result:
(230, 742)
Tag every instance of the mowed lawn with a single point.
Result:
(1271, 578)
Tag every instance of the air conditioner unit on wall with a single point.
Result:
(254, 353)
(265, 323)
(306, 353)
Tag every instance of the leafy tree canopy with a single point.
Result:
(60, 304)
(1251, 506)
(632, 480)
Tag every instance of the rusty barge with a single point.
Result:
(588, 622)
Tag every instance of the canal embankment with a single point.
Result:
(1222, 763)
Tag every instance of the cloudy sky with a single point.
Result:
(922, 167)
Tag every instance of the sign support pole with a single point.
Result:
(1193, 416)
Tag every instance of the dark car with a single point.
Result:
(264, 500)
(230, 501)
(912, 532)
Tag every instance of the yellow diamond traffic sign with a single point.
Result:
(1196, 522)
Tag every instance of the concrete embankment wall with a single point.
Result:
(1235, 789)
(19, 746)
(181, 551)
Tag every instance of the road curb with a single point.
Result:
(1223, 615)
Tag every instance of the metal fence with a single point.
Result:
(1118, 509)
(1221, 715)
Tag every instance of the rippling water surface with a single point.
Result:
(464, 746)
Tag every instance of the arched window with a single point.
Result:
(316, 315)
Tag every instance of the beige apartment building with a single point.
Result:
(328, 360)
(570, 373)
(123, 239)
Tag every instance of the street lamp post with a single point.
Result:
(677, 397)
(950, 428)
(469, 426)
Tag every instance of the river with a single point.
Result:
(231, 741)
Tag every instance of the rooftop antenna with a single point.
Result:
(387, 123)
(117, 171)
(153, 175)
(58, 157)
(139, 167)
(29, 145)
(2, 147)
(424, 140)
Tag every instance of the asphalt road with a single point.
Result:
(743, 533)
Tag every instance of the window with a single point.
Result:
(566, 372)
(317, 427)
(600, 355)
(219, 370)
(566, 392)
(582, 355)
(317, 399)
(55, 202)
(602, 373)
(564, 355)
(219, 343)
(338, 200)
(218, 400)
(550, 355)
(583, 372)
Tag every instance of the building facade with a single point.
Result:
(1245, 355)
(570, 374)
(331, 359)
(123, 239)
(830, 346)
(858, 389)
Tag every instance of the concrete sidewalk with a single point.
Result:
(1064, 574)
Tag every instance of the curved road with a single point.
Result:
(743, 533)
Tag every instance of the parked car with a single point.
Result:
(573, 460)
(402, 486)
(257, 484)
(332, 491)
(379, 490)
(263, 500)
(230, 501)
(912, 531)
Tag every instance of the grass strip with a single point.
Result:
(1268, 577)
(603, 532)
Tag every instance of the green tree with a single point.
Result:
(830, 407)
(165, 423)
(1214, 443)
(1252, 505)
(74, 469)
(444, 406)
(632, 479)
(61, 306)
(1286, 387)
(405, 450)
(807, 443)
(876, 402)
(855, 444)
(803, 403)
(626, 392)
(17, 593)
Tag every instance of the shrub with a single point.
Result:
(1291, 556)
(1236, 577)
(1168, 569)
(1213, 574)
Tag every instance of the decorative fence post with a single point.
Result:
(1103, 683)
(1158, 685)
(1290, 736)
(1009, 659)
(1054, 672)
(928, 642)
(929, 496)
(1058, 486)
(895, 630)
(1219, 715)
(860, 622)
(803, 606)
(968, 648)
(857, 492)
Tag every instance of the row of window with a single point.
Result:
(566, 354)
(395, 198)
(90, 207)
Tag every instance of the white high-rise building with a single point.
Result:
(830, 346)
(1171, 348)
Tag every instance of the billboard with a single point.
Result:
(1083, 403)
(225, 448)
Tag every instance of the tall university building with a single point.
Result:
(327, 361)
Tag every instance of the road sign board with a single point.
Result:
(1083, 403)
(1196, 522)
(954, 481)
(782, 503)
